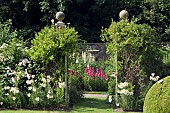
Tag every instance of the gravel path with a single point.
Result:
(95, 95)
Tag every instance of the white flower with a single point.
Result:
(130, 93)
(160, 81)
(93, 58)
(26, 49)
(33, 76)
(37, 99)
(77, 60)
(49, 92)
(12, 73)
(14, 90)
(73, 55)
(8, 68)
(125, 91)
(122, 85)
(18, 78)
(43, 79)
(29, 65)
(29, 82)
(153, 74)
(84, 56)
(110, 98)
(119, 91)
(20, 64)
(7, 87)
(7, 94)
(49, 96)
(117, 104)
(1, 103)
(153, 77)
(29, 95)
(29, 88)
(13, 79)
(4, 45)
(62, 85)
(25, 61)
(28, 76)
(17, 44)
(113, 75)
(157, 77)
(34, 89)
(48, 78)
(52, 21)
(43, 85)
(1, 58)
(14, 98)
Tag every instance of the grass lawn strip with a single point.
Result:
(87, 105)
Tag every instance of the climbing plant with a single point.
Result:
(50, 46)
(137, 52)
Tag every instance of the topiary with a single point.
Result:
(157, 99)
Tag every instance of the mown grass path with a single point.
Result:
(92, 103)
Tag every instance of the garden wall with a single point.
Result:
(101, 54)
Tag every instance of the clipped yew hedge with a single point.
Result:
(157, 99)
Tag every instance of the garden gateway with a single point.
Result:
(117, 49)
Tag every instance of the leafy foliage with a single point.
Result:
(22, 83)
(50, 46)
(137, 52)
(156, 14)
(6, 32)
(87, 16)
(157, 98)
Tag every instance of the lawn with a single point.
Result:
(87, 105)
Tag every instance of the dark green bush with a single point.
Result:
(157, 99)
(75, 94)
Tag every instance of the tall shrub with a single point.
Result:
(49, 48)
(137, 53)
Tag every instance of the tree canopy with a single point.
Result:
(87, 16)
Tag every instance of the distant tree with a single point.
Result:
(156, 13)
(87, 16)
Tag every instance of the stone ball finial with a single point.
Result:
(60, 16)
(123, 14)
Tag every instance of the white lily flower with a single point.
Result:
(62, 85)
(14, 98)
(110, 98)
(29, 95)
(37, 99)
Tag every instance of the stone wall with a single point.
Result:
(98, 49)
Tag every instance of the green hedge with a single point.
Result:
(157, 99)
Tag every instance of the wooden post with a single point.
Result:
(66, 82)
